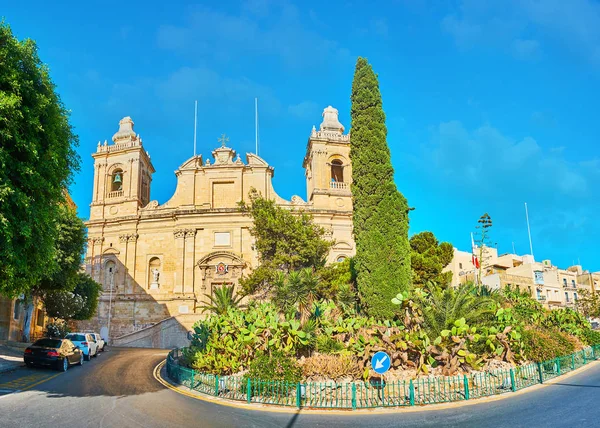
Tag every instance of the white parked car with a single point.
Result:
(86, 342)
(99, 341)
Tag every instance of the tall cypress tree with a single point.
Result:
(380, 214)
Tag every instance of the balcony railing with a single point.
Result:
(542, 298)
(115, 194)
(338, 185)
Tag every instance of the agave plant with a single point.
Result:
(222, 299)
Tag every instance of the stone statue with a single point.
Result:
(155, 275)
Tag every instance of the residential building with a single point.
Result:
(550, 285)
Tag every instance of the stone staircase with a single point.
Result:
(167, 334)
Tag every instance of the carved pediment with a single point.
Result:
(342, 245)
(192, 163)
(111, 252)
(253, 159)
(215, 257)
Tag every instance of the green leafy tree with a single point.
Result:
(89, 290)
(588, 303)
(428, 258)
(337, 285)
(285, 241)
(68, 252)
(80, 303)
(37, 161)
(380, 212)
(222, 299)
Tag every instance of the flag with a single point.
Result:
(474, 258)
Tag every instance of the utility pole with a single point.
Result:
(112, 279)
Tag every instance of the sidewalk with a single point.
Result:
(11, 355)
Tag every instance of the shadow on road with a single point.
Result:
(117, 372)
(577, 386)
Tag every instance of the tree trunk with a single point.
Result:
(27, 321)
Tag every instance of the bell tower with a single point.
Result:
(122, 175)
(327, 164)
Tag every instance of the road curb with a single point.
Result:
(361, 412)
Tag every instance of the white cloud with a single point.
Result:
(575, 24)
(282, 34)
(485, 168)
(485, 159)
(305, 110)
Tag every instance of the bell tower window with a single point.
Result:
(337, 171)
(116, 181)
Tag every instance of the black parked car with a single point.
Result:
(58, 353)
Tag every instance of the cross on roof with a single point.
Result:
(223, 140)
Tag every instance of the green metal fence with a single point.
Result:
(364, 395)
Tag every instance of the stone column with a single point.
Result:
(97, 260)
(179, 261)
(133, 265)
(188, 279)
(123, 239)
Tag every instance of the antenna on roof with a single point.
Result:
(256, 123)
(529, 230)
(195, 123)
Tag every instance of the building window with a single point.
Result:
(17, 310)
(538, 277)
(337, 171)
(40, 318)
(460, 265)
(575, 296)
(539, 294)
(116, 181)
(340, 259)
(567, 297)
(565, 282)
(109, 275)
(573, 283)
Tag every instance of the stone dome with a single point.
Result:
(330, 121)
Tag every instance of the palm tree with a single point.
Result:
(222, 299)
(441, 307)
(297, 289)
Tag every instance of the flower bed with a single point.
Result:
(377, 393)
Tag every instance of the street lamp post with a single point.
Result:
(112, 278)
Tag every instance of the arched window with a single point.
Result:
(116, 180)
(337, 171)
(340, 258)
(109, 275)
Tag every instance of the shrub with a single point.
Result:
(542, 344)
(327, 345)
(277, 366)
(590, 337)
(332, 367)
(57, 329)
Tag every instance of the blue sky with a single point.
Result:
(489, 104)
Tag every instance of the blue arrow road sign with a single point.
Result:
(381, 362)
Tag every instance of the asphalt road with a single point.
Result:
(118, 389)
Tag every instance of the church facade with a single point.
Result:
(157, 261)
